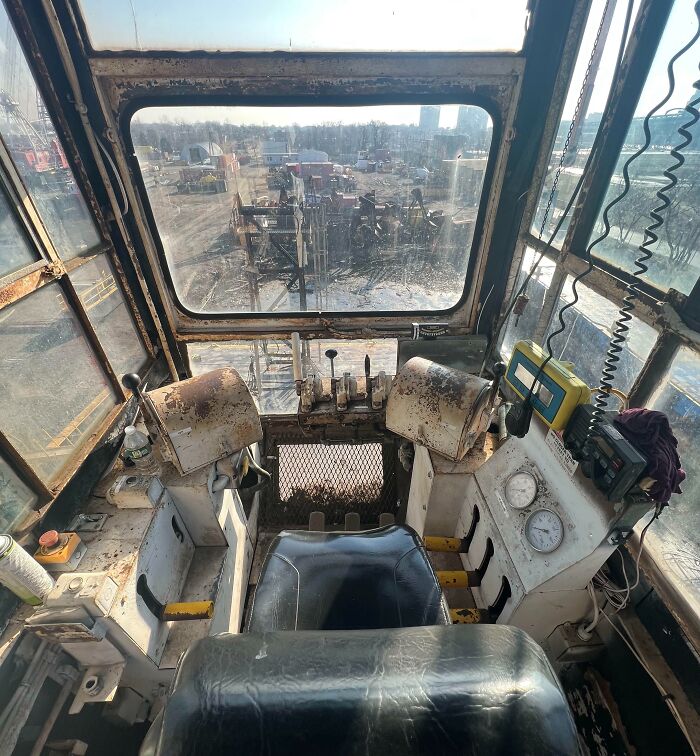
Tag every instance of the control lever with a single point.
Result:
(132, 381)
(331, 354)
(368, 380)
(187, 610)
(498, 370)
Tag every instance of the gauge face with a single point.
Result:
(544, 530)
(521, 489)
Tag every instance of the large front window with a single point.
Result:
(355, 209)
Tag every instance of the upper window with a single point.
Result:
(305, 25)
(30, 136)
(675, 262)
(315, 208)
(609, 18)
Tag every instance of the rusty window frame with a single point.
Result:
(126, 82)
(50, 268)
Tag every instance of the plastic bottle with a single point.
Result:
(138, 449)
(24, 576)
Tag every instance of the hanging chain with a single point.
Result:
(574, 121)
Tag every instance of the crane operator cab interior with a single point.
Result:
(349, 377)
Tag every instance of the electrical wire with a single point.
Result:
(122, 188)
(481, 311)
(618, 597)
(620, 328)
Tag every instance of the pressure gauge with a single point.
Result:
(521, 489)
(544, 530)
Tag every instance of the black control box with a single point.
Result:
(609, 460)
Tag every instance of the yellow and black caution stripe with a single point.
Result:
(469, 616)
(446, 545)
(458, 578)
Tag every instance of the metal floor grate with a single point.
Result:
(334, 479)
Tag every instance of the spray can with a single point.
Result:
(20, 573)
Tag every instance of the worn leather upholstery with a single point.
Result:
(462, 689)
(347, 581)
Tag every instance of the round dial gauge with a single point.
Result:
(521, 489)
(544, 530)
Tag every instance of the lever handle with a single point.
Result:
(132, 381)
(499, 370)
(331, 354)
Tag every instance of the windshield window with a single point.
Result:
(307, 25)
(315, 208)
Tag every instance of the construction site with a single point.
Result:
(285, 231)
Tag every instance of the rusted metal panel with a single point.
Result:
(26, 285)
(438, 407)
(130, 74)
(206, 418)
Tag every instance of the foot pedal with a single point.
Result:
(352, 521)
(469, 617)
(446, 545)
(386, 518)
(317, 521)
(458, 579)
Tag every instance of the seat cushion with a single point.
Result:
(462, 689)
(347, 581)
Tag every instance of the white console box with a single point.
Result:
(546, 589)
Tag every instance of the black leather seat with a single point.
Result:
(347, 581)
(463, 689)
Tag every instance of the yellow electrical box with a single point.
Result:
(57, 548)
(558, 392)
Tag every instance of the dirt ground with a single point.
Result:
(209, 265)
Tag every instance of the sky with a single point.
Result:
(306, 24)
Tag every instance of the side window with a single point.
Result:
(61, 304)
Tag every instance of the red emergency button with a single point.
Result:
(49, 539)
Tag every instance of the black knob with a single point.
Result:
(132, 381)
(331, 354)
(498, 370)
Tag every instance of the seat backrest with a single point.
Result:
(462, 689)
(347, 581)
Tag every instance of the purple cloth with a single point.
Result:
(651, 434)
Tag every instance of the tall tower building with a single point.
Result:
(429, 118)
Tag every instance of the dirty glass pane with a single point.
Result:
(53, 392)
(309, 25)
(585, 341)
(598, 87)
(15, 250)
(678, 528)
(266, 364)
(318, 208)
(31, 138)
(16, 500)
(523, 326)
(676, 262)
(105, 306)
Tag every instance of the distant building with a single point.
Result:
(471, 120)
(274, 152)
(429, 118)
(312, 156)
(198, 153)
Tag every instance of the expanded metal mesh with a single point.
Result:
(331, 478)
